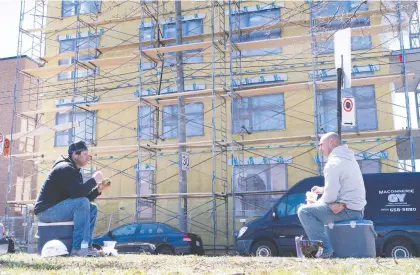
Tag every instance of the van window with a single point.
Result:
(289, 205)
(293, 203)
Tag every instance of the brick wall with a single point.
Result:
(7, 81)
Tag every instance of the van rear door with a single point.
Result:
(393, 198)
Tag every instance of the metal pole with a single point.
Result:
(182, 203)
(407, 100)
(314, 87)
(15, 96)
(339, 84)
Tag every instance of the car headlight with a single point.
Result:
(242, 231)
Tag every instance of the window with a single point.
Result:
(145, 123)
(194, 120)
(125, 230)
(71, 7)
(258, 113)
(70, 45)
(289, 205)
(148, 229)
(257, 18)
(85, 131)
(366, 117)
(189, 27)
(330, 8)
(164, 229)
(370, 166)
(261, 177)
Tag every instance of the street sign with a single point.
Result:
(6, 147)
(1, 143)
(348, 110)
(185, 165)
(342, 54)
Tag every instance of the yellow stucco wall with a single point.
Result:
(299, 105)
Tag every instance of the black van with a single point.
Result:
(391, 205)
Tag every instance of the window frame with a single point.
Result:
(251, 110)
(239, 38)
(197, 57)
(344, 7)
(70, 61)
(70, 132)
(75, 4)
(173, 125)
(323, 124)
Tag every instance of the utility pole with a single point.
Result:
(339, 85)
(182, 201)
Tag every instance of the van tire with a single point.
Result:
(399, 248)
(263, 248)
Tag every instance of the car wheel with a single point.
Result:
(264, 248)
(399, 249)
(164, 250)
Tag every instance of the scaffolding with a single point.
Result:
(230, 99)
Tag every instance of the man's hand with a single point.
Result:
(98, 176)
(337, 207)
(104, 184)
(317, 190)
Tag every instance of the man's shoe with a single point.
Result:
(326, 255)
(92, 252)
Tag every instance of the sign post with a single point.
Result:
(348, 108)
(342, 56)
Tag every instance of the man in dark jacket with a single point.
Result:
(64, 196)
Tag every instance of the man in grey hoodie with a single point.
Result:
(343, 195)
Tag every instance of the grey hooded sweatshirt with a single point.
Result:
(343, 179)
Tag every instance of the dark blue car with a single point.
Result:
(155, 238)
(393, 205)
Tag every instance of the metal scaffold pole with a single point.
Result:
(14, 107)
(314, 86)
(405, 83)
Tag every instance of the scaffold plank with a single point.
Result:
(109, 150)
(156, 53)
(42, 130)
(204, 94)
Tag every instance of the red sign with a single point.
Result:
(6, 147)
(348, 104)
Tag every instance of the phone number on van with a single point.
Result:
(402, 209)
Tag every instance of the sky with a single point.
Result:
(9, 27)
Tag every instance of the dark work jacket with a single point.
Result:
(65, 181)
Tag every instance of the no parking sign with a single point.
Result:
(348, 111)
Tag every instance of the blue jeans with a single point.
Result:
(81, 211)
(313, 217)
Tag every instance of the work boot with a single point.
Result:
(92, 252)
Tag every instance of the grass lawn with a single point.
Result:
(151, 264)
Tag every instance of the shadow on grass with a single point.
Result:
(10, 263)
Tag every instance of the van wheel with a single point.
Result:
(264, 248)
(399, 249)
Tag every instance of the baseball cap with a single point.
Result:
(77, 146)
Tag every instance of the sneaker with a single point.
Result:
(326, 255)
(95, 252)
(92, 252)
